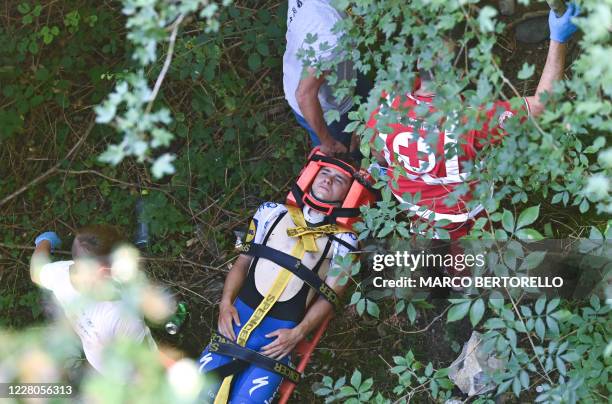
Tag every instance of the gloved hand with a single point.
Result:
(51, 237)
(562, 28)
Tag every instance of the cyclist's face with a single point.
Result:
(331, 185)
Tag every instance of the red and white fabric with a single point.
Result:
(427, 169)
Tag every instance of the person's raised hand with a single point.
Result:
(227, 314)
(286, 340)
(333, 147)
(562, 28)
(51, 237)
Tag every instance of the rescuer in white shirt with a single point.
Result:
(84, 290)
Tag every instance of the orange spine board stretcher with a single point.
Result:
(358, 194)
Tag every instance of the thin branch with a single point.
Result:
(164, 70)
(195, 293)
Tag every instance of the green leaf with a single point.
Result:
(532, 260)
(262, 48)
(163, 165)
(496, 303)
(494, 323)
(332, 115)
(387, 228)
(516, 386)
(524, 376)
(526, 311)
(433, 386)
(557, 198)
(458, 311)
(429, 369)
(528, 216)
(360, 306)
(571, 356)
(366, 385)
(323, 391)
(33, 47)
(540, 304)
(373, 309)
(540, 328)
(528, 234)
(480, 223)
(403, 231)
(254, 61)
(347, 391)
(476, 312)
(504, 386)
(356, 379)
(523, 327)
(23, 8)
(485, 19)
(411, 312)
(594, 300)
(511, 335)
(553, 327)
(350, 128)
(560, 365)
(508, 221)
(552, 305)
(526, 71)
(597, 144)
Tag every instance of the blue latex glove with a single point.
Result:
(562, 28)
(51, 237)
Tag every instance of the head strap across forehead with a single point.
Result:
(346, 168)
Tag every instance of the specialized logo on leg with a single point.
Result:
(257, 383)
(204, 360)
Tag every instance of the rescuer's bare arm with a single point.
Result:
(41, 256)
(553, 71)
(561, 30)
(307, 95)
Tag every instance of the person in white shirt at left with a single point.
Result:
(84, 289)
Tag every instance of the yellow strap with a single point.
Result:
(308, 240)
(322, 230)
(307, 234)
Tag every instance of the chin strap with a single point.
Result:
(335, 203)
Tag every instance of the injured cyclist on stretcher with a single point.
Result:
(281, 287)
